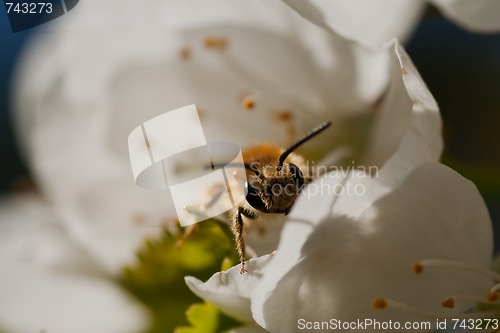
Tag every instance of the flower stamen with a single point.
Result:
(215, 43)
(492, 296)
(418, 267)
(248, 103)
(287, 118)
(382, 303)
(379, 303)
(185, 53)
(450, 301)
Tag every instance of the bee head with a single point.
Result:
(274, 188)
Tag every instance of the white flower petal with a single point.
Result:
(64, 121)
(263, 239)
(230, 291)
(408, 126)
(371, 22)
(33, 301)
(239, 71)
(92, 188)
(48, 284)
(343, 263)
(393, 115)
(29, 234)
(476, 16)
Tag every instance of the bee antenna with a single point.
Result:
(306, 138)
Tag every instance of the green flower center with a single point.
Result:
(157, 277)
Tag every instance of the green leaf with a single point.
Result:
(157, 277)
(227, 263)
(204, 318)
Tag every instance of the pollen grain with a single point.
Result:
(248, 103)
(287, 118)
(215, 43)
(379, 303)
(492, 296)
(448, 302)
(185, 53)
(417, 268)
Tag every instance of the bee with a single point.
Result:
(275, 178)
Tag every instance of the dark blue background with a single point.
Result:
(11, 44)
(26, 14)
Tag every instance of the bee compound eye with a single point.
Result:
(254, 166)
(253, 198)
(297, 175)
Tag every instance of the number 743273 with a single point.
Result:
(29, 7)
(475, 324)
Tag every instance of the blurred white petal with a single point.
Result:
(476, 16)
(371, 23)
(49, 284)
(374, 22)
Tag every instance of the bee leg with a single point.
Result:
(187, 233)
(215, 194)
(237, 229)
